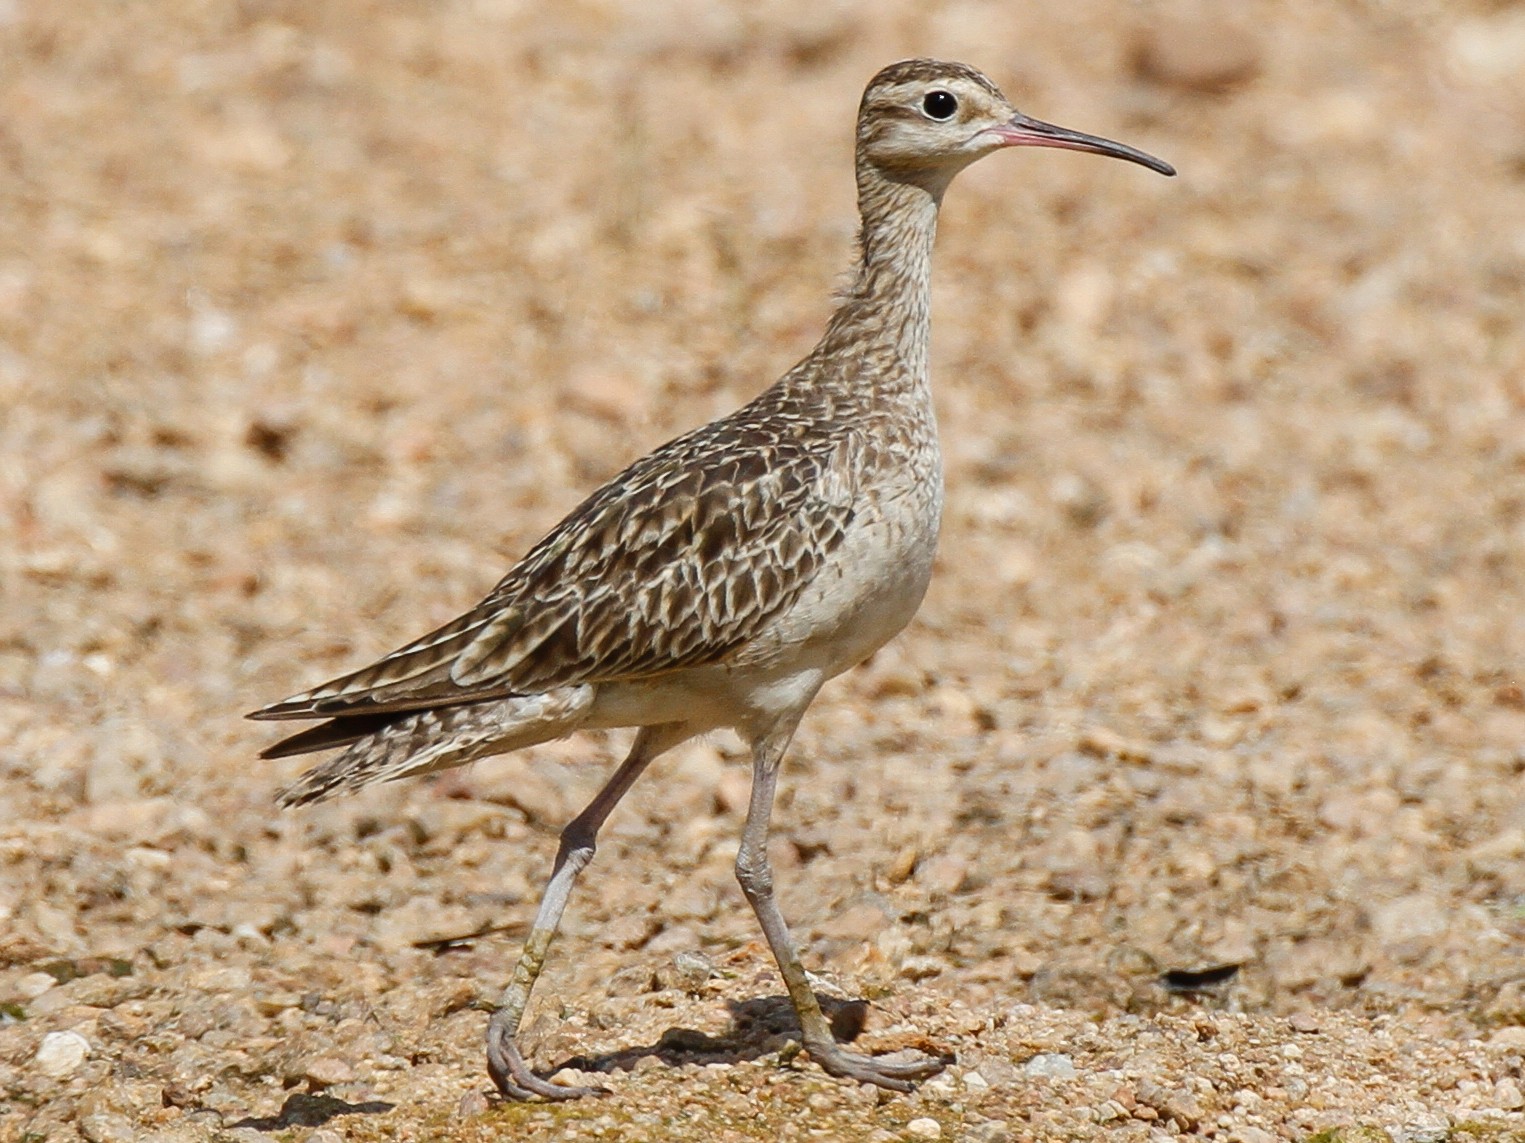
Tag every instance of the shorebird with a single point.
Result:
(719, 581)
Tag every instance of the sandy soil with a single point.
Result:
(313, 316)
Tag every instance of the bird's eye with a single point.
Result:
(939, 105)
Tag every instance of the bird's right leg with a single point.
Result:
(755, 874)
(505, 1064)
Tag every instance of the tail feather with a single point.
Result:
(337, 732)
(405, 745)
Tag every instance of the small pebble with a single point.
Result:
(945, 873)
(1051, 1065)
(921, 967)
(107, 1127)
(1110, 1111)
(33, 985)
(998, 1071)
(472, 1104)
(925, 1128)
(990, 1131)
(572, 1077)
(327, 1071)
(692, 968)
(942, 1084)
(61, 1054)
(1507, 1095)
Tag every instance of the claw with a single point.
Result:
(513, 1077)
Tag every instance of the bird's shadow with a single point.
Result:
(311, 1110)
(758, 1027)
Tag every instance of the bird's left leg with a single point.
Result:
(505, 1064)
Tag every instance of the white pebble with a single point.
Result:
(61, 1054)
(33, 985)
(1507, 1094)
(925, 1128)
(1053, 1065)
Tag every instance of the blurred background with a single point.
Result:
(314, 316)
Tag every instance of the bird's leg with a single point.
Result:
(505, 1064)
(755, 874)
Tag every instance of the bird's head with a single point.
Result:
(923, 121)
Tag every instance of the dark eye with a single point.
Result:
(939, 104)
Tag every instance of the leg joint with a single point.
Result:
(576, 849)
(754, 873)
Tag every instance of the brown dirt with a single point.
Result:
(312, 316)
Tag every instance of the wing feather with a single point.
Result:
(677, 561)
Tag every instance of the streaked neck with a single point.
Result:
(888, 307)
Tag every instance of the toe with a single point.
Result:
(513, 1077)
(923, 1067)
(897, 1075)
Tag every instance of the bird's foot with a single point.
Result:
(513, 1077)
(897, 1075)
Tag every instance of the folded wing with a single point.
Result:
(680, 559)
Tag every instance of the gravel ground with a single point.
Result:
(313, 316)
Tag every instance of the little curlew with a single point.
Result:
(721, 580)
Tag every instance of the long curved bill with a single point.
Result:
(1024, 131)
